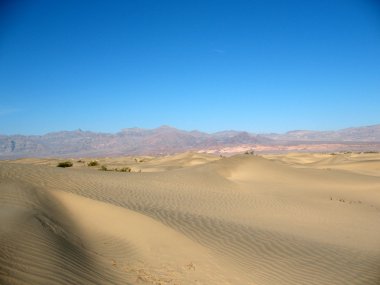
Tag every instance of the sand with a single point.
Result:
(192, 219)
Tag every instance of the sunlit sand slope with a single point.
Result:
(237, 220)
(40, 242)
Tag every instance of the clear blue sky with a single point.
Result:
(261, 66)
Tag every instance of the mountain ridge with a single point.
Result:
(167, 140)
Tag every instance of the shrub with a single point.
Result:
(124, 169)
(93, 163)
(65, 164)
(103, 168)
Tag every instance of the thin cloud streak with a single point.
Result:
(8, 111)
(219, 51)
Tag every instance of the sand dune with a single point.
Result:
(192, 219)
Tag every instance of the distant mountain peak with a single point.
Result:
(166, 127)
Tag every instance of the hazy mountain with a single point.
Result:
(360, 134)
(162, 140)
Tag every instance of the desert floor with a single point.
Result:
(192, 219)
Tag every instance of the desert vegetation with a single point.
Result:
(65, 164)
(93, 163)
(123, 169)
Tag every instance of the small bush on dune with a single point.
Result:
(124, 169)
(103, 168)
(65, 164)
(93, 163)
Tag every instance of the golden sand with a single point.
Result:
(192, 219)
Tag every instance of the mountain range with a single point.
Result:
(168, 140)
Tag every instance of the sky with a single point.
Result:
(259, 66)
